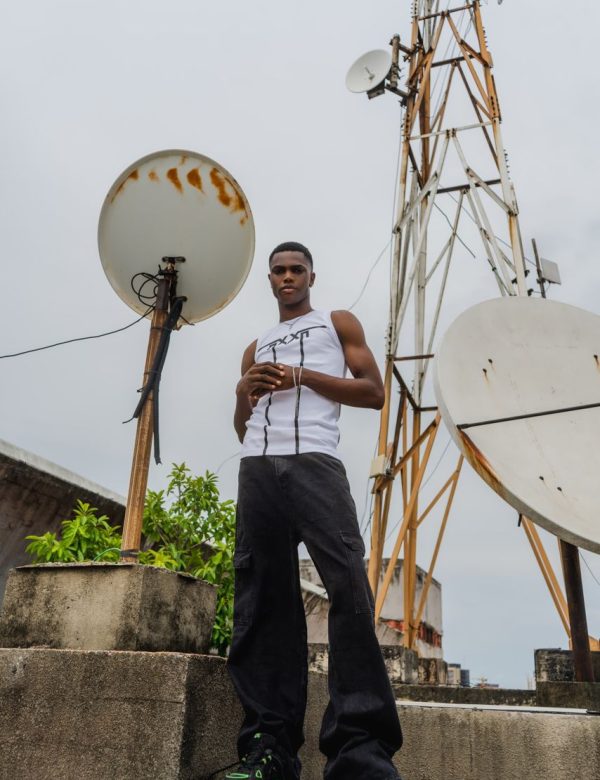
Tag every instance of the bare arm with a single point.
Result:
(365, 389)
(257, 379)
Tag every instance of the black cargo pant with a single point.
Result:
(282, 501)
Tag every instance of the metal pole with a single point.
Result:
(538, 265)
(138, 480)
(580, 642)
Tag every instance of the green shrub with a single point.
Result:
(186, 528)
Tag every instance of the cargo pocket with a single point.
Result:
(355, 551)
(243, 603)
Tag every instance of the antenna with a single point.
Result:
(455, 195)
(517, 382)
(176, 237)
(369, 71)
(377, 71)
(178, 203)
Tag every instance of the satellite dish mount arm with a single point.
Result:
(166, 314)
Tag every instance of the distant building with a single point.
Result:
(390, 629)
(454, 675)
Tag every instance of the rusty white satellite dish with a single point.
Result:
(537, 361)
(369, 70)
(178, 203)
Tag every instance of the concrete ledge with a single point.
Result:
(450, 694)
(466, 743)
(585, 696)
(73, 715)
(106, 606)
(402, 665)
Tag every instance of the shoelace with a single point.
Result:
(258, 755)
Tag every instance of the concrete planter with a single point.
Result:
(107, 606)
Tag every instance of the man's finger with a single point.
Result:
(267, 370)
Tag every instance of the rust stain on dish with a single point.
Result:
(195, 179)
(173, 177)
(234, 201)
(182, 159)
(153, 176)
(219, 184)
(481, 464)
(133, 175)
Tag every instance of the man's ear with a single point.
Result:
(312, 279)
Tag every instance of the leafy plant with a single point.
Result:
(84, 537)
(186, 528)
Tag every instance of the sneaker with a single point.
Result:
(262, 762)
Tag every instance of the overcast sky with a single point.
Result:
(89, 86)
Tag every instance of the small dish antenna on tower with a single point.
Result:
(378, 71)
(369, 72)
(176, 238)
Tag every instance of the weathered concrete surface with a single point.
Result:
(452, 694)
(555, 665)
(432, 671)
(35, 495)
(72, 715)
(403, 665)
(584, 696)
(467, 743)
(106, 606)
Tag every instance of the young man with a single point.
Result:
(292, 489)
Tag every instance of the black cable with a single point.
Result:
(139, 290)
(364, 287)
(502, 241)
(589, 569)
(80, 338)
(154, 374)
(469, 250)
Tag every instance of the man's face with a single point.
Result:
(290, 276)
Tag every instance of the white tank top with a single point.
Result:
(288, 422)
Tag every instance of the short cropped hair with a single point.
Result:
(292, 246)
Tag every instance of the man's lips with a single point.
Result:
(287, 289)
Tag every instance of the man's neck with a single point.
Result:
(287, 313)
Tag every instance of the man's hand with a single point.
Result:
(261, 378)
(287, 377)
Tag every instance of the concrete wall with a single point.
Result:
(555, 665)
(35, 495)
(73, 715)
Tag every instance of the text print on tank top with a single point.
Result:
(288, 422)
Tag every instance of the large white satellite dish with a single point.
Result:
(178, 204)
(180, 221)
(517, 381)
(369, 71)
